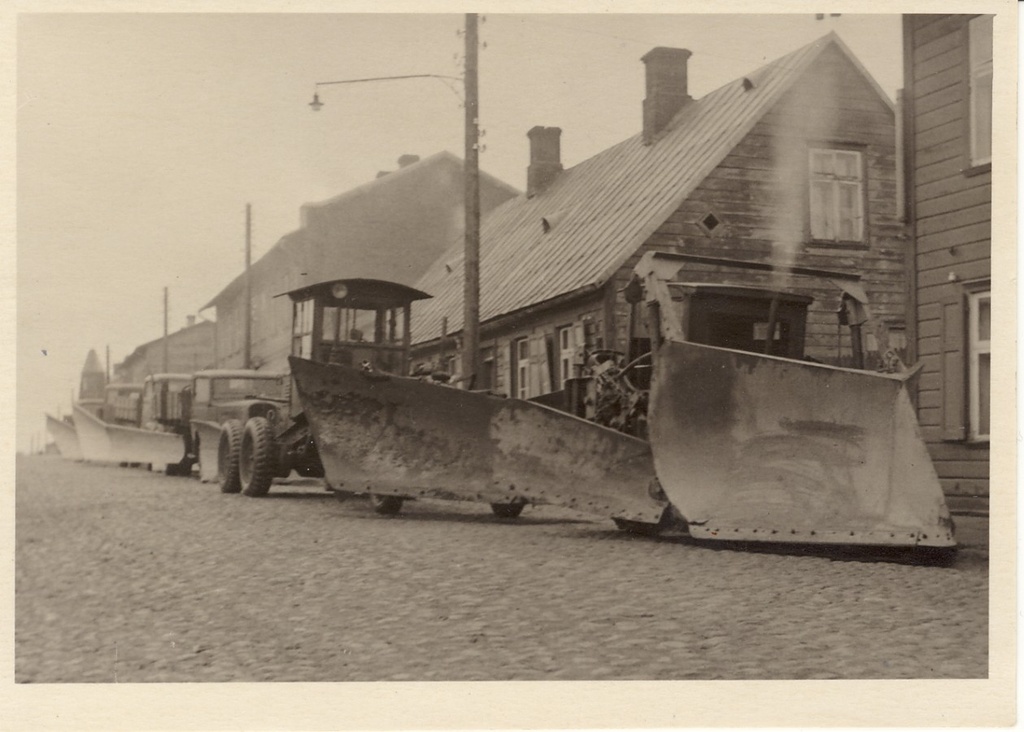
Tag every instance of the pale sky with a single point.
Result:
(141, 137)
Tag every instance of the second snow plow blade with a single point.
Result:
(761, 448)
(404, 437)
(135, 445)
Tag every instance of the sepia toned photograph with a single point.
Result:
(435, 348)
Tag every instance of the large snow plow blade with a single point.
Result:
(65, 437)
(400, 436)
(92, 436)
(759, 448)
(134, 445)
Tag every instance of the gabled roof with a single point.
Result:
(573, 236)
(140, 351)
(364, 222)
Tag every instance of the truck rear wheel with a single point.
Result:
(256, 459)
(512, 509)
(385, 505)
(227, 456)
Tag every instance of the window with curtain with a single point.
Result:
(836, 196)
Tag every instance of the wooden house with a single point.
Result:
(948, 145)
(793, 163)
(391, 228)
(188, 350)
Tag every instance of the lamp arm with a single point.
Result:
(389, 78)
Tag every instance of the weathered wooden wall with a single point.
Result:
(759, 194)
(951, 205)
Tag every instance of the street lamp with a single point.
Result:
(316, 104)
(471, 292)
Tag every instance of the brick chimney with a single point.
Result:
(190, 320)
(545, 158)
(666, 88)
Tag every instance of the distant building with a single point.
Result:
(948, 143)
(188, 350)
(92, 384)
(391, 228)
(794, 163)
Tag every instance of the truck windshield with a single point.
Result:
(240, 388)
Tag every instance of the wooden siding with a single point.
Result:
(188, 350)
(584, 314)
(952, 240)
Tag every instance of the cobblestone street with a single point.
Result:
(129, 576)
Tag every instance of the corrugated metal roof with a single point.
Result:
(600, 211)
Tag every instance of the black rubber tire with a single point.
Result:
(639, 528)
(256, 466)
(385, 505)
(227, 456)
(508, 510)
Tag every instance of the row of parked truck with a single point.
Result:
(712, 421)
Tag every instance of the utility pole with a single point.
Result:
(471, 291)
(247, 355)
(167, 354)
(108, 364)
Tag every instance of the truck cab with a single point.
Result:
(359, 323)
(122, 404)
(222, 394)
(164, 405)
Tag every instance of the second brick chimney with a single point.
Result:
(545, 158)
(666, 88)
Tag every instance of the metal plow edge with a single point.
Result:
(768, 449)
(93, 439)
(404, 437)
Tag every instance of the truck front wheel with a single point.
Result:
(227, 456)
(385, 505)
(256, 460)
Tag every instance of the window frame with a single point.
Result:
(976, 348)
(565, 353)
(520, 367)
(976, 164)
(834, 148)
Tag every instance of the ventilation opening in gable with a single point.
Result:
(710, 222)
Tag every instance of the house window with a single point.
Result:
(565, 355)
(521, 368)
(980, 56)
(837, 196)
(979, 366)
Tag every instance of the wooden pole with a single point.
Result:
(247, 356)
(167, 354)
(471, 292)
